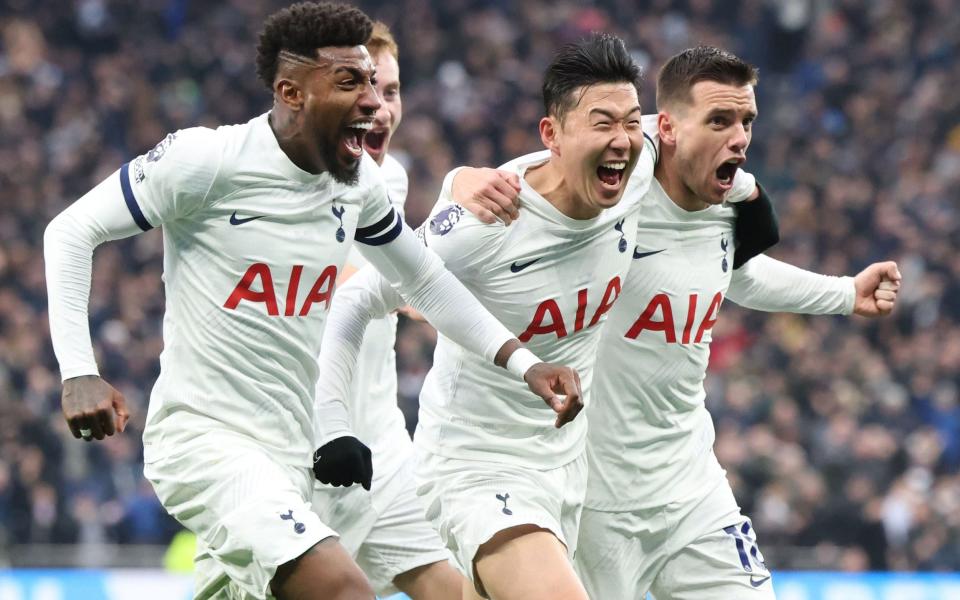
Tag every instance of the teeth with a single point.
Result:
(365, 126)
(616, 166)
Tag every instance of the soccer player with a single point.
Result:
(257, 221)
(384, 529)
(660, 515)
(502, 483)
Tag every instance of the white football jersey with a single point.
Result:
(551, 280)
(375, 417)
(252, 249)
(649, 426)
(651, 437)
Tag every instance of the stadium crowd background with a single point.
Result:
(840, 435)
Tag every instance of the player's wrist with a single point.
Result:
(520, 362)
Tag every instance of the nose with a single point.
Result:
(382, 116)
(369, 101)
(620, 140)
(740, 139)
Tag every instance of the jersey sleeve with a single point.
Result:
(465, 243)
(173, 179)
(773, 286)
(395, 179)
(160, 185)
(380, 222)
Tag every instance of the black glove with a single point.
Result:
(343, 461)
(756, 229)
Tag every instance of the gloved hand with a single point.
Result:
(343, 461)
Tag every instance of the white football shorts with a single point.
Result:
(250, 513)
(701, 549)
(470, 501)
(386, 541)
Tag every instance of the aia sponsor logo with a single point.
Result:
(549, 319)
(658, 316)
(257, 287)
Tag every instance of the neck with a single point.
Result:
(548, 181)
(667, 173)
(288, 130)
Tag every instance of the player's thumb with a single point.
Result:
(890, 271)
(120, 409)
(544, 389)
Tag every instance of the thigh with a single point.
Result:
(526, 563)
(249, 513)
(400, 540)
(469, 502)
(620, 552)
(348, 511)
(720, 564)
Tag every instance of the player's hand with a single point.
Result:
(560, 389)
(490, 194)
(744, 188)
(93, 408)
(343, 461)
(876, 287)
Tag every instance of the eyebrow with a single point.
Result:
(356, 71)
(609, 114)
(729, 111)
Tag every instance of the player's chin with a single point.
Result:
(607, 196)
(346, 170)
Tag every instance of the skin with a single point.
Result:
(316, 101)
(388, 117)
(699, 135)
(603, 126)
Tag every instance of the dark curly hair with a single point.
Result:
(303, 27)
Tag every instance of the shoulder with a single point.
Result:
(395, 177)
(522, 163)
(186, 160)
(451, 225)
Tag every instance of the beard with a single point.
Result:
(340, 173)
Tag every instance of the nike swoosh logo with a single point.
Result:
(645, 254)
(235, 221)
(516, 268)
(758, 582)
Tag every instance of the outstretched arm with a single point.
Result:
(770, 285)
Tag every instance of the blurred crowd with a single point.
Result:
(840, 435)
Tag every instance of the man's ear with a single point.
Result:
(549, 132)
(289, 92)
(666, 125)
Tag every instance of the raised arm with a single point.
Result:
(773, 286)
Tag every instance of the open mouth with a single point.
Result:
(353, 138)
(374, 140)
(611, 173)
(726, 171)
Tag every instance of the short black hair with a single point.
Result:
(303, 27)
(600, 58)
(703, 63)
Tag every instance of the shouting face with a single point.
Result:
(387, 118)
(339, 104)
(711, 134)
(596, 144)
